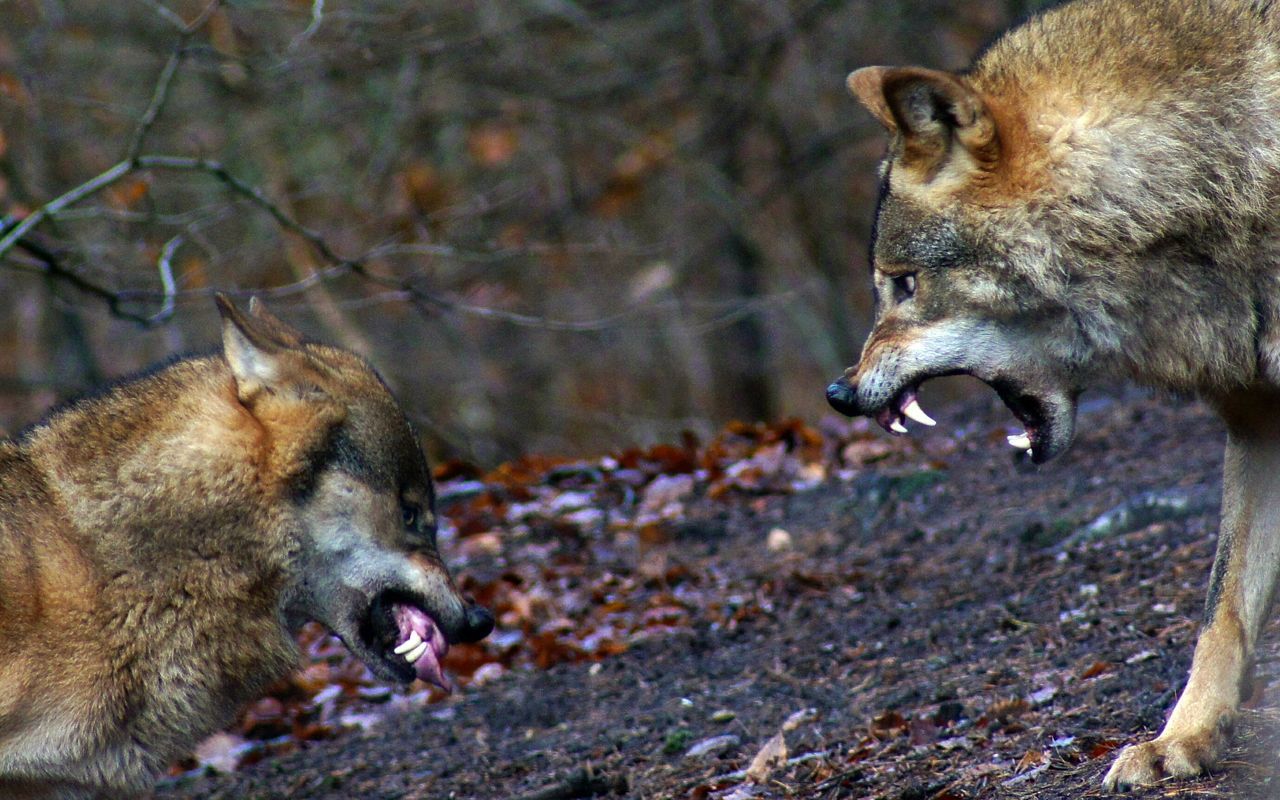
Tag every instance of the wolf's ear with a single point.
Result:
(931, 110)
(280, 330)
(253, 347)
(273, 379)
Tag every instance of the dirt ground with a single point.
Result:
(966, 626)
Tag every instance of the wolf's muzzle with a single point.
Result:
(843, 397)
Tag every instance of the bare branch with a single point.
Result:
(249, 192)
(338, 264)
(69, 198)
(175, 19)
(51, 265)
(168, 14)
(160, 94)
(158, 97)
(317, 17)
(522, 320)
(165, 265)
(200, 21)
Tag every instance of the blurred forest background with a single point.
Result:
(553, 225)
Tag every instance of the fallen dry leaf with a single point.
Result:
(770, 757)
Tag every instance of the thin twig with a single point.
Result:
(168, 14)
(200, 21)
(317, 17)
(338, 264)
(251, 193)
(158, 97)
(524, 320)
(160, 94)
(165, 265)
(68, 198)
(52, 266)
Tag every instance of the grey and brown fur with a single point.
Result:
(1098, 196)
(160, 541)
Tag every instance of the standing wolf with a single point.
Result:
(159, 541)
(1099, 196)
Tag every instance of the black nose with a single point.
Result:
(842, 398)
(478, 624)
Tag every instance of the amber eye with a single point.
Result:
(411, 516)
(904, 287)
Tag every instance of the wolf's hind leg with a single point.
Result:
(1240, 591)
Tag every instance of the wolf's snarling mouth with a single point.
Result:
(423, 644)
(1046, 421)
(406, 638)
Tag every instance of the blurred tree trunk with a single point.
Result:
(746, 379)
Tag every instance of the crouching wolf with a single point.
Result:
(1098, 195)
(159, 541)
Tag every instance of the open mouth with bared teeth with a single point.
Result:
(405, 639)
(1047, 420)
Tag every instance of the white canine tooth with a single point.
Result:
(915, 412)
(408, 644)
(416, 653)
(897, 427)
(1021, 441)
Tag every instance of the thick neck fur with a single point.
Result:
(1158, 180)
(166, 462)
(139, 527)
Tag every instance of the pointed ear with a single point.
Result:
(274, 381)
(867, 85)
(280, 330)
(931, 110)
(255, 355)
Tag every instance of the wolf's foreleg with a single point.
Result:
(1241, 587)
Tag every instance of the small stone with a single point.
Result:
(779, 540)
(723, 715)
(1039, 698)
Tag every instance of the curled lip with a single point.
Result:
(388, 624)
(1048, 418)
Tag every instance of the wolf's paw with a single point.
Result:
(1158, 759)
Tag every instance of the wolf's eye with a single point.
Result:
(904, 287)
(411, 515)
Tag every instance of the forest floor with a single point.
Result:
(795, 614)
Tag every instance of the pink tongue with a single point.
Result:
(413, 619)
